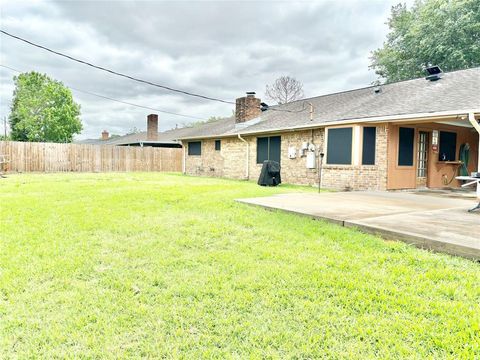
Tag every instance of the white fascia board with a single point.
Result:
(475, 124)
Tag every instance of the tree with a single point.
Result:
(43, 110)
(4, 136)
(133, 130)
(284, 90)
(433, 32)
(201, 122)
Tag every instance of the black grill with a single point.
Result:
(270, 174)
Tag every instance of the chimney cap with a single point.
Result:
(251, 93)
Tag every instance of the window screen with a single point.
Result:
(368, 148)
(274, 149)
(448, 146)
(405, 146)
(262, 150)
(195, 148)
(218, 145)
(339, 146)
(268, 148)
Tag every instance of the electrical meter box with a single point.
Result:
(311, 160)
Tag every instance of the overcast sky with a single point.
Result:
(219, 49)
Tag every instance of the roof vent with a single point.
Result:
(434, 73)
(377, 89)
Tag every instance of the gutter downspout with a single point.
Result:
(476, 125)
(247, 170)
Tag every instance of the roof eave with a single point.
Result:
(208, 137)
(144, 142)
(378, 119)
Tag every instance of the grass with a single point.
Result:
(163, 265)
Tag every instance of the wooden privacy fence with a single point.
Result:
(52, 157)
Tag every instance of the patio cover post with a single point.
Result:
(476, 125)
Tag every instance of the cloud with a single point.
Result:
(219, 49)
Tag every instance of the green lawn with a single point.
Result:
(160, 265)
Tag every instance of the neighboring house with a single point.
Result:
(401, 135)
(151, 137)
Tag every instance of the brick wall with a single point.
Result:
(228, 162)
(366, 177)
(293, 171)
(231, 160)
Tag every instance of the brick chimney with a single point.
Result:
(247, 108)
(152, 127)
(105, 135)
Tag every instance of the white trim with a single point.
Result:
(356, 150)
(454, 123)
(473, 121)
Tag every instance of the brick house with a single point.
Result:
(400, 135)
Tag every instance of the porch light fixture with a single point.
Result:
(435, 141)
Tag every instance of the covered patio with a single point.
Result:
(429, 221)
(431, 152)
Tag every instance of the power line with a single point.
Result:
(136, 105)
(129, 76)
(119, 101)
(115, 72)
(147, 107)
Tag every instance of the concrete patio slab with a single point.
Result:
(431, 222)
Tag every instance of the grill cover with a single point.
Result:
(270, 174)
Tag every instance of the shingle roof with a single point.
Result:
(457, 90)
(166, 137)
